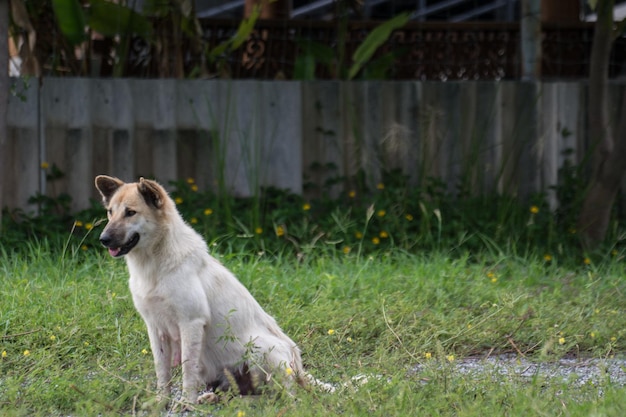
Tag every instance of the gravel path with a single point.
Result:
(577, 370)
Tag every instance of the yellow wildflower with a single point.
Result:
(547, 257)
(53, 338)
(346, 249)
(409, 217)
(258, 230)
(208, 212)
(592, 334)
(84, 247)
(587, 261)
(190, 180)
(144, 351)
(194, 220)
(534, 209)
(45, 165)
(450, 358)
(4, 354)
(380, 186)
(375, 240)
(352, 194)
(331, 332)
(383, 234)
(428, 355)
(381, 213)
(27, 352)
(241, 414)
(194, 187)
(78, 223)
(288, 371)
(561, 340)
(306, 207)
(613, 339)
(88, 226)
(178, 200)
(280, 231)
(358, 235)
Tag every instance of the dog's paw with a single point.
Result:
(208, 398)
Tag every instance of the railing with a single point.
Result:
(423, 51)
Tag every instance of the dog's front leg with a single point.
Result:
(192, 337)
(162, 354)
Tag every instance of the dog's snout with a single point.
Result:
(105, 240)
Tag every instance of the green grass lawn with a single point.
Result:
(72, 343)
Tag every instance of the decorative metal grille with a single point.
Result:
(423, 51)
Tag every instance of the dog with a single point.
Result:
(197, 313)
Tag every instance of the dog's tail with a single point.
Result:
(305, 379)
(308, 380)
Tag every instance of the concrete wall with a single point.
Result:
(509, 137)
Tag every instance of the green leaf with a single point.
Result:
(111, 19)
(374, 40)
(378, 69)
(245, 28)
(243, 33)
(304, 68)
(322, 53)
(156, 8)
(71, 20)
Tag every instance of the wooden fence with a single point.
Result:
(508, 137)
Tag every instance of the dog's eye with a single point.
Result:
(130, 213)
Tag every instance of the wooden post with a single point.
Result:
(4, 93)
(531, 39)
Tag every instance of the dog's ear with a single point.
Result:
(152, 192)
(107, 186)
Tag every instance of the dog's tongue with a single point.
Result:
(114, 251)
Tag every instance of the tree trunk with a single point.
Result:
(531, 39)
(4, 93)
(270, 9)
(607, 161)
(560, 11)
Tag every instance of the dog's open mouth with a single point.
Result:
(123, 250)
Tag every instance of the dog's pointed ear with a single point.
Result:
(107, 186)
(152, 192)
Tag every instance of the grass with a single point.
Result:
(72, 343)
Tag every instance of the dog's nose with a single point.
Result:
(105, 240)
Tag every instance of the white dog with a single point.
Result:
(196, 312)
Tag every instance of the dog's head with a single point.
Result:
(134, 211)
